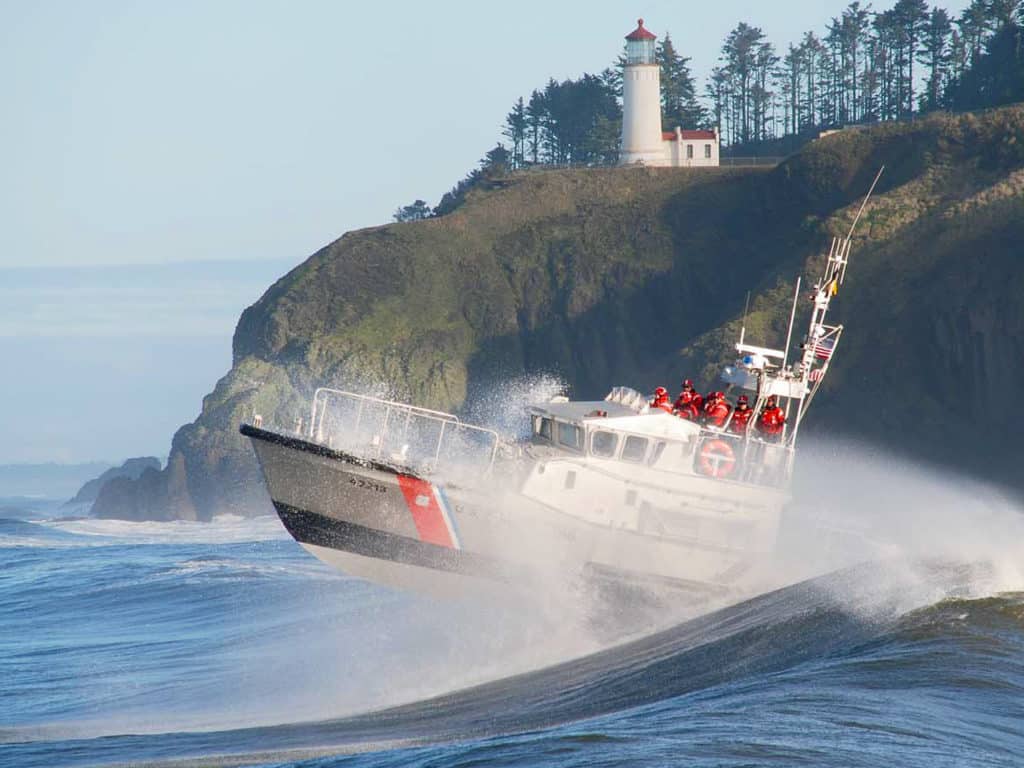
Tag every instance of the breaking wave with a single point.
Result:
(898, 638)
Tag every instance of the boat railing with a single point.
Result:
(754, 460)
(421, 438)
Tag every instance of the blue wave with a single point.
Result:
(840, 670)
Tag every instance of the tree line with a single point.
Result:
(866, 66)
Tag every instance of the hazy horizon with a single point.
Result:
(105, 363)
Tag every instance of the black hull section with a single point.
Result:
(319, 530)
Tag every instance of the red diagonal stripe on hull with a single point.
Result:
(426, 514)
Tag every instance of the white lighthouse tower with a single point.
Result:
(641, 102)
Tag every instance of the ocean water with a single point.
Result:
(226, 644)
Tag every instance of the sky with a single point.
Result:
(254, 132)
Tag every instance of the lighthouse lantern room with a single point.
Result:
(640, 45)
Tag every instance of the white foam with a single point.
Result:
(223, 529)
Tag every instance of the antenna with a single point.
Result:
(792, 317)
(864, 204)
(743, 328)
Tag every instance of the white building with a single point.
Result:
(643, 141)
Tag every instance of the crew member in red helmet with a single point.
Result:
(689, 396)
(716, 410)
(661, 400)
(741, 416)
(772, 420)
(686, 410)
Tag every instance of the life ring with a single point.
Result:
(716, 459)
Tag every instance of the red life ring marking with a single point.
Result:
(716, 459)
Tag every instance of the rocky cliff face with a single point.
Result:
(132, 469)
(636, 275)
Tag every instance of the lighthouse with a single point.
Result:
(643, 142)
(641, 101)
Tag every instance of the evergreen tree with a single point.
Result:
(679, 105)
(413, 212)
(973, 26)
(912, 17)
(535, 111)
(856, 21)
(717, 90)
(612, 77)
(935, 55)
(744, 53)
(1003, 13)
(516, 127)
(997, 75)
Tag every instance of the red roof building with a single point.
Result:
(690, 135)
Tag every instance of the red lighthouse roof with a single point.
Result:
(640, 33)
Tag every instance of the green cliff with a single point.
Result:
(636, 276)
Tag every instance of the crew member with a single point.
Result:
(689, 396)
(741, 416)
(661, 400)
(772, 420)
(686, 410)
(716, 410)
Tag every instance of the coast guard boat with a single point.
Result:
(611, 489)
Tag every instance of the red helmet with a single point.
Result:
(742, 400)
(720, 395)
(687, 384)
(660, 391)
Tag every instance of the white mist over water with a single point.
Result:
(852, 504)
(929, 531)
(331, 646)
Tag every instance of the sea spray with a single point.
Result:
(255, 633)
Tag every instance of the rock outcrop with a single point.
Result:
(131, 469)
(630, 275)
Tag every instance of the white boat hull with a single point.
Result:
(376, 521)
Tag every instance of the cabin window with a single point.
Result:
(635, 448)
(707, 151)
(689, 151)
(542, 427)
(659, 448)
(570, 436)
(604, 443)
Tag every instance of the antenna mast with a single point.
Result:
(746, 308)
(822, 340)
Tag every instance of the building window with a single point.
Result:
(689, 151)
(707, 151)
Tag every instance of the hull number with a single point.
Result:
(369, 485)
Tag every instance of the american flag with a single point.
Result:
(815, 375)
(823, 348)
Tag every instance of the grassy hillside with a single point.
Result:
(638, 275)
